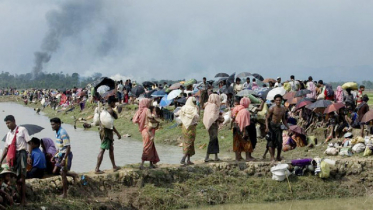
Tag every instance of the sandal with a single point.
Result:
(116, 169)
(207, 160)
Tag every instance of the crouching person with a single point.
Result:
(38, 160)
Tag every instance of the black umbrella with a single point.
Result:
(264, 94)
(244, 74)
(258, 76)
(210, 82)
(221, 79)
(149, 94)
(222, 75)
(32, 129)
(230, 79)
(182, 100)
(319, 104)
(138, 90)
(303, 92)
(147, 84)
(103, 81)
(226, 90)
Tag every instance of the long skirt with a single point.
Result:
(213, 147)
(239, 143)
(189, 137)
(149, 152)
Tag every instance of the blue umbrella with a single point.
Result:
(159, 93)
(164, 102)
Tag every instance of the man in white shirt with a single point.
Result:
(278, 82)
(246, 85)
(17, 138)
(294, 84)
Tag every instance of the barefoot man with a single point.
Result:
(64, 155)
(15, 147)
(107, 139)
(275, 115)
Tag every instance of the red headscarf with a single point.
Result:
(243, 115)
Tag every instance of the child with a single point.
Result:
(39, 163)
(153, 124)
(8, 186)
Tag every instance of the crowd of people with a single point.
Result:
(247, 108)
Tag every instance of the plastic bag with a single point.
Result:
(367, 151)
(358, 148)
(106, 119)
(280, 172)
(345, 151)
(325, 170)
(96, 118)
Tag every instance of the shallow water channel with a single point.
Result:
(361, 203)
(85, 144)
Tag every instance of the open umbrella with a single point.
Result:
(222, 75)
(297, 129)
(103, 89)
(301, 93)
(138, 90)
(147, 84)
(108, 94)
(244, 93)
(302, 104)
(226, 90)
(319, 104)
(182, 100)
(258, 76)
(158, 93)
(175, 86)
(263, 92)
(221, 79)
(367, 117)
(289, 95)
(244, 74)
(334, 107)
(149, 93)
(190, 82)
(272, 93)
(230, 79)
(295, 100)
(268, 80)
(103, 81)
(164, 102)
(173, 94)
(31, 129)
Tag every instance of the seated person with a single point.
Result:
(49, 150)
(38, 160)
(352, 120)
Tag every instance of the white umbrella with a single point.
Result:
(279, 90)
(173, 94)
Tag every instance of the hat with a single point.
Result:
(7, 171)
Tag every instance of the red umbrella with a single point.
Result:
(289, 95)
(294, 100)
(268, 80)
(302, 104)
(297, 129)
(334, 107)
(367, 117)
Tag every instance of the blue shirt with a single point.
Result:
(38, 159)
(63, 140)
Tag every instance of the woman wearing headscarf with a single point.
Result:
(311, 87)
(339, 95)
(49, 150)
(141, 117)
(189, 117)
(211, 119)
(241, 138)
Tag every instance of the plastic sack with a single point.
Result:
(345, 151)
(325, 170)
(367, 152)
(106, 119)
(280, 172)
(287, 86)
(96, 117)
(178, 120)
(331, 151)
(253, 99)
(358, 148)
(350, 85)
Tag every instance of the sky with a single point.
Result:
(177, 39)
